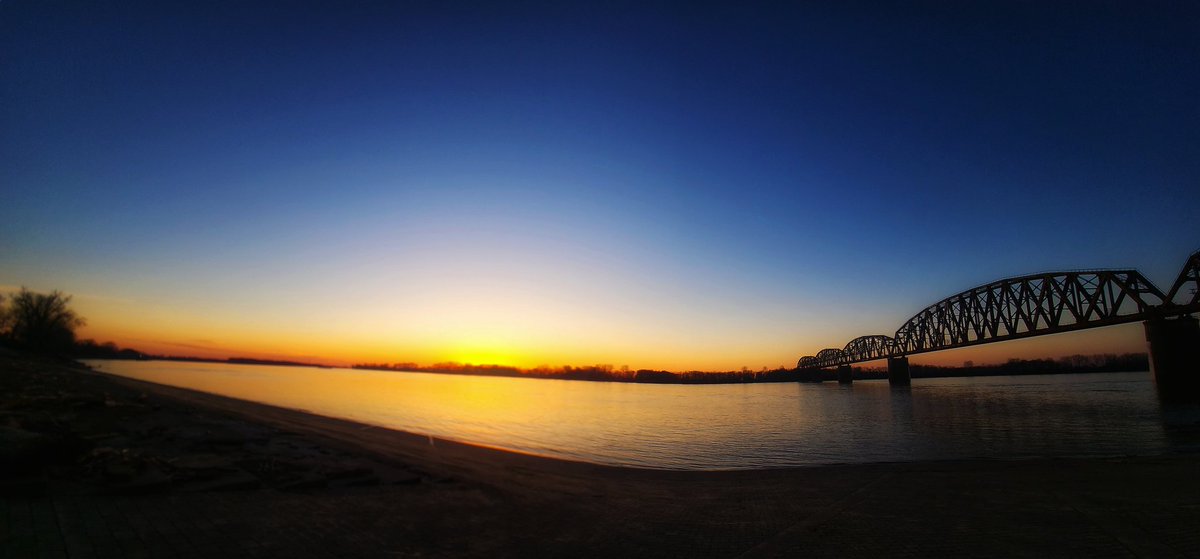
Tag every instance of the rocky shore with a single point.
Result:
(98, 466)
(66, 427)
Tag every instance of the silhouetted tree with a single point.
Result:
(3, 318)
(42, 322)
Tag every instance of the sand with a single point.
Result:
(138, 469)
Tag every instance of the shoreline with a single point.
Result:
(382, 442)
(556, 439)
(292, 483)
(445, 451)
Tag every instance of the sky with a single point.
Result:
(682, 186)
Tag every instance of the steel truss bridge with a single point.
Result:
(1024, 307)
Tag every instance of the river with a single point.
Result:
(725, 426)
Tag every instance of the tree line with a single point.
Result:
(601, 373)
(1097, 363)
(606, 373)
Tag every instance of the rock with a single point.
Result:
(406, 478)
(307, 482)
(202, 461)
(224, 439)
(150, 481)
(119, 471)
(346, 471)
(365, 481)
(23, 451)
(237, 480)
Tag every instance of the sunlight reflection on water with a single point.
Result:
(717, 426)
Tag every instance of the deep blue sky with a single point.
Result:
(620, 183)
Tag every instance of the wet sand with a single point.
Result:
(111, 467)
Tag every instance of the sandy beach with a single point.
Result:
(101, 466)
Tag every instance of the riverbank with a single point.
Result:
(99, 465)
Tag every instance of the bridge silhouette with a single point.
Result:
(1037, 305)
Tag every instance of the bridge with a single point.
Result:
(1037, 305)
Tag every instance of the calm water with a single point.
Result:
(723, 426)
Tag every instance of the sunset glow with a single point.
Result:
(560, 187)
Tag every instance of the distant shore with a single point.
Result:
(170, 470)
(1079, 364)
(1128, 363)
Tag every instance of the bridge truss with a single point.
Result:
(1022, 307)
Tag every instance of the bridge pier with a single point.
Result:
(898, 371)
(1175, 356)
(844, 374)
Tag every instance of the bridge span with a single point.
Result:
(1041, 304)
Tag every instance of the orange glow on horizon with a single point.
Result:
(1119, 339)
(496, 338)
